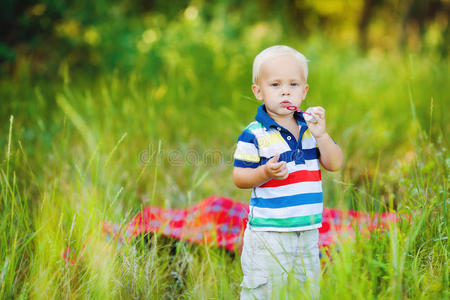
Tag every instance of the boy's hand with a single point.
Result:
(318, 129)
(275, 169)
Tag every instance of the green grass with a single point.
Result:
(81, 150)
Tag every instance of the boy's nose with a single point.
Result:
(285, 92)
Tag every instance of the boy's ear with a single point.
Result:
(256, 89)
(305, 91)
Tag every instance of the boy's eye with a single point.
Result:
(294, 83)
(275, 84)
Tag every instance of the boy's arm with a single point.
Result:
(247, 178)
(331, 156)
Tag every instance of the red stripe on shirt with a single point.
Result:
(294, 177)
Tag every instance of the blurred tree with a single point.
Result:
(419, 13)
(108, 34)
(26, 21)
(367, 13)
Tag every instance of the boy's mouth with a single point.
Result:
(288, 105)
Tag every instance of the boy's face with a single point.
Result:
(280, 84)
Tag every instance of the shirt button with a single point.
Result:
(289, 138)
(278, 128)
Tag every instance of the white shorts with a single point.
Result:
(268, 258)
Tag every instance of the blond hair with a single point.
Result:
(274, 51)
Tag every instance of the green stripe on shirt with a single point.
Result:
(254, 126)
(286, 222)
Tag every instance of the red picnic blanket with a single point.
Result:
(221, 221)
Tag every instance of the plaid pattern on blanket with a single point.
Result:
(221, 221)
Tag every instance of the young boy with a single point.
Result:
(279, 157)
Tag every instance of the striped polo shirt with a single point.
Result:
(292, 204)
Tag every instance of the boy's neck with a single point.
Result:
(284, 120)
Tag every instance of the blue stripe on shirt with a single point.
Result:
(295, 155)
(313, 153)
(248, 137)
(245, 164)
(280, 202)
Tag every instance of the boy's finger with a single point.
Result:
(274, 159)
(311, 123)
(280, 172)
(283, 169)
(275, 168)
(279, 165)
(282, 175)
(319, 111)
(316, 117)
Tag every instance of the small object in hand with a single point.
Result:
(307, 115)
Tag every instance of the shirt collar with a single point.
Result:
(264, 118)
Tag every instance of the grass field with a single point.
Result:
(78, 150)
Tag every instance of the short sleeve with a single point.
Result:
(246, 154)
